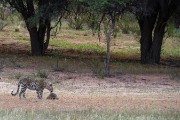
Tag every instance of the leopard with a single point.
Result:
(32, 84)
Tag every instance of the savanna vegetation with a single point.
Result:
(122, 46)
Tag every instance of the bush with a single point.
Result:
(172, 31)
(3, 24)
(97, 68)
(57, 67)
(76, 23)
(128, 24)
(42, 74)
(18, 75)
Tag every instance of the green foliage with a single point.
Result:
(177, 33)
(104, 11)
(172, 31)
(78, 15)
(76, 23)
(5, 14)
(128, 24)
(92, 22)
(106, 6)
(3, 24)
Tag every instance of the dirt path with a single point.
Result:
(77, 92)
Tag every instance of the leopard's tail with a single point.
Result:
(13, 94)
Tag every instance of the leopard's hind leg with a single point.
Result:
(22, 92)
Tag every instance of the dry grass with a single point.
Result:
(82, 91)
(97, 102)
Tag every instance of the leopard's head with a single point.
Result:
(49, 87)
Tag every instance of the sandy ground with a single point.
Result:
(84, 91)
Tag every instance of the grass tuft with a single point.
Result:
(57, 67)
(97, 68)
(42, 74)
(18, 75)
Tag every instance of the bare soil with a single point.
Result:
(86, 91)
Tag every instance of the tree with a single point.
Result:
(177, 18)
(38, 15)
(77, 15)
(152, 18)
(109, 9)
(4, 14)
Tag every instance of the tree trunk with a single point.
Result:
(108, 39)
(158, 37)
(48, 31)
(163, 9)
(151, 49)
(107, 66)
(37, 37)
(146, 26)
(41, 37)
(35, 45)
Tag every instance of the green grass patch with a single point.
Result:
(71, 35)
(65, 45)
(88, 115)
(171, 47)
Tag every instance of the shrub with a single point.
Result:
(57, 67)
(97, 68)
(18, 75)
(76, 23)
(42, 74)
(3, 24)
